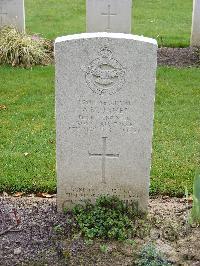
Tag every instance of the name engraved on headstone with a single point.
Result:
(106, 115)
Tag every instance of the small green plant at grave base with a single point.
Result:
(104, 248)
(130, 242)
(108, 218)
(21, 49)
(195, 213)
(89, 242)
(150, 256)
(58, 229)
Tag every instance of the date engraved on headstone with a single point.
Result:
(105, 75)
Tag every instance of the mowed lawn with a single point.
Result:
(27, 126)
(169, 21)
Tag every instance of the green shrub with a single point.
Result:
(21, 49)
(195, 213)
(108, 218)
(150, 256)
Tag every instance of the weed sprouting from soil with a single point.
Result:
(108, 218)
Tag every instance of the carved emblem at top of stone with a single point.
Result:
(105, 75)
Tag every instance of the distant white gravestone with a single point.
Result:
(12, 14)
(109, 15)
(105, 89)
(195, 36)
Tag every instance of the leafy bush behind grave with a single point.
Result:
(21, 49)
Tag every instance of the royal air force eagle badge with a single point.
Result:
(105, 75)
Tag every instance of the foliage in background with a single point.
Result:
(21, 49)
(150, 256)
(195, 213)
(108, 218)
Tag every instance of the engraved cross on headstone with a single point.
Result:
(104, 155)
(3, 14)
(108, 14)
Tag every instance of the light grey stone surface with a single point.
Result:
(109, 15)
(12, 14)
(105, 88)
(195, 36)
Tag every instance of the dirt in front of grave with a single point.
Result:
(33, 233)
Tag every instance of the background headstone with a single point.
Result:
(195, 36)
(12, 14)
(109, 16)
(104, 116)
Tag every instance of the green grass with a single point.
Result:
(169, 21)
(28, 126)
(176, 149)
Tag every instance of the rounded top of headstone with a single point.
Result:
(106, 35)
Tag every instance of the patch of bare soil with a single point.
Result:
(33, 233)
(179, 57)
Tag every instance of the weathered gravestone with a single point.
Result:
(105, 86)
(109, 15)
(195, 36)
(12, 14)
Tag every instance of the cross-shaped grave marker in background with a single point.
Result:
(12, 13)
(108, 16)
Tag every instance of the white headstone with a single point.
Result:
(105, 88)
(195, 36)
(12, 14)
(109, 16)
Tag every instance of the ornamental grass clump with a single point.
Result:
(21, 49)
